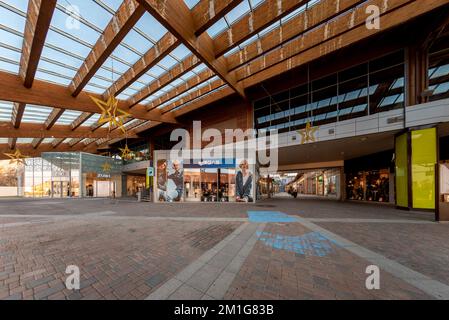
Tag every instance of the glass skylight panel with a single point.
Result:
(9, 38)
(47, 140)
(217, 28)
(36, 114)
(238, 12)
(191, 3)
(63, 21)
(95, 89)
(5, 110)
(45, 76)
(255, 3)
(181, 52)
(24, 140)
(68, 117)
(10, 11)
(440, 71)
(150, 26)
(167, 62)
(201, 67)
(92, 120)
(442, 88)
(91, 11)
(153, 73)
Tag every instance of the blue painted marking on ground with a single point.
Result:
(269, 216)
(309, 244)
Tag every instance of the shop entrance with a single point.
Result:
(209, 185)
(60, 189)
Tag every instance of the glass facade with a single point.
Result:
(369, 88)
(67, 174)
(324, 183)
(439, 69)
(373, 185)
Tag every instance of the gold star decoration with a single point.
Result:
(126, 153)
(110, 113)
(308, 134)
(106, 167)
(16, 157)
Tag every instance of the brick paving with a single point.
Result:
(128, 250)
(117, 260)
(270, 273)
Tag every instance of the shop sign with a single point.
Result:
(150, 172)
(212, 164)
(104, 175)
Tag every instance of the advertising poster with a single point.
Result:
(175, 181)
(244, 182)
(161, 180)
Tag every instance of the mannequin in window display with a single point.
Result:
(244, 183)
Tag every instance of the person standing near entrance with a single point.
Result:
(244, 183)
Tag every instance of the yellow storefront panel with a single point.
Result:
(424, 158)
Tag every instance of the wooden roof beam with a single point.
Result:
(36, 142)
(121, 23)
(38, 21)
(17, 114)
(175, 16)
(36, 130)
(49, 94)
(53, 117)
(12, 143)
(28, 150)
(83, 117)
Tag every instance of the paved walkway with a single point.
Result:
(275, 249)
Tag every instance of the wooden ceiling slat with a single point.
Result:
(261, 17)
(12, 143)
(121, 23)
(83, 117)
(321, 12)
(36, 142)
(183, 87)
(39, 15)
(17, 114)
(194, 95)
(207, 12)
(53, 117)
(335, 29)
(174, 73)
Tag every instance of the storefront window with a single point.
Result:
(208, 180)
(368, 186)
